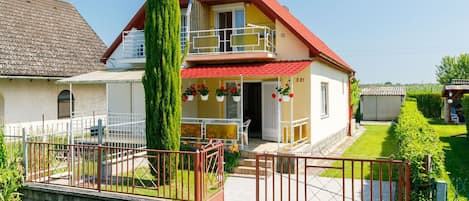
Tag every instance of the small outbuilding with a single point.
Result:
(381, 103)
(452, 94)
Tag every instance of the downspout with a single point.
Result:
(350, 107)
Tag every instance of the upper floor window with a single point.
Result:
(324, 99)
(63, 102)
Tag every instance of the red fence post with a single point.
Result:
(197, 187)
(99, 167)
(257, 177)
(407, 180)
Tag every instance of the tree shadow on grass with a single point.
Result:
(457, 161)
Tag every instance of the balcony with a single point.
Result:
(230, 44)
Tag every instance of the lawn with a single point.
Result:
(375, 143)
(378, 142)
(456, 148)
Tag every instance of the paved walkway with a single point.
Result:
(318, 188)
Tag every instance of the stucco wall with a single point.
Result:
(288, 46)
(337, 119)
(29, 99)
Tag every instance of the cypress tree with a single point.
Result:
(162, 80)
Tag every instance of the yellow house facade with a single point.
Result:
(255, 47)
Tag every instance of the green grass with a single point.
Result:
(456, 148)
(376, 143)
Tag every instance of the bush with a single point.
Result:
(11, 177)
(465, 105)
(428, 103)
(417, 139)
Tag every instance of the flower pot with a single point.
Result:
(236, 98)
(204, 97)
(190, 97)
(286, 98)
(220, 98)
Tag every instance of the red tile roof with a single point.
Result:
(282, 68)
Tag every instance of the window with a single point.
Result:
(184, 27)
(63, 102)
(324, 99)
(231, 107)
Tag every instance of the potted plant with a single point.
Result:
(203, 91)
(236, 93)
(284, 93)
(189, 93)
(221, 93)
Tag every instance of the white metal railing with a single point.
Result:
(232, 40)
(205, 128)
(214, 41)
(289, 127)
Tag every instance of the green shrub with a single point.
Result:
(428, 103)
(417, 139)
(11, 177)
(231, 156)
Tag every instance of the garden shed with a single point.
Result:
(381, 103)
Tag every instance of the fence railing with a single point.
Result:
(202, 130)
(288, 177)
(164, 174)
(294, 132)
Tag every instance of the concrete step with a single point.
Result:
(249, 170)
(252, 162)
(247, 154)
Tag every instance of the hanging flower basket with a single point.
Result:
(203, 97)
(236, 98)
(220, 98)
(285, 98)
(190, 97)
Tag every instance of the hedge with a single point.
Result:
(416, 140)
(428, 103)
(465, 105)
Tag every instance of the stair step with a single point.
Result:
(252, 162)
(250, 155)
(249, 170)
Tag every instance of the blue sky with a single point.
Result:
(399, 41)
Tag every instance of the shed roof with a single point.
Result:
(383, 91)
(46, 38)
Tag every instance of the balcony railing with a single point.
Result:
(207, 42)
(232, 40)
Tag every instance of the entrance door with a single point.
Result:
(270, 112)
(252, 101)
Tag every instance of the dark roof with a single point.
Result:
(383, 91)
(274, 10)
(46, 38)
(459, 82)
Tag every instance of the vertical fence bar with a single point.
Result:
(407, 181)
(25, 154)
(343, 180)
(257, 178)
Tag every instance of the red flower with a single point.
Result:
(222, 88)
(239, 84)
(286, 84)
(280, 100)
(184, 98)
(193, 93)
(274, 95)
(291, 95)
(233, 90)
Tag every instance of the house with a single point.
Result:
(254, 46)
(381, 103)
(452, 94)
(43, 41)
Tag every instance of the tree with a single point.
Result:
(162, 80)
(453, 68)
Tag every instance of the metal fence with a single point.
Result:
(288, 177)
(165, 174)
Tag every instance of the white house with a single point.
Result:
(43, 41)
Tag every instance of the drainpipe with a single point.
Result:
(350, 107)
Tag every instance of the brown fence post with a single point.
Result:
(257, 177)
(407, 180)
(99, 167)
(197, 187)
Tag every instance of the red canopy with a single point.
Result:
(276, 68)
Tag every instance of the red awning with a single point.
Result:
(270, 69)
